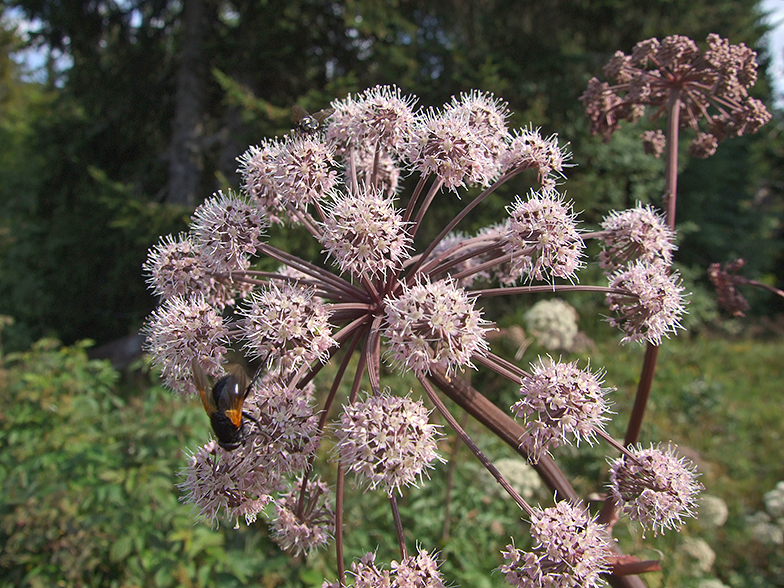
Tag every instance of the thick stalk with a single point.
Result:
(652, 351)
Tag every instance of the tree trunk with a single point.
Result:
(185, 149)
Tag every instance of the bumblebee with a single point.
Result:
(223, 404)
(309, 123)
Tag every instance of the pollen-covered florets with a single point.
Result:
(302, 531)
(444, 144)
(571, 550)
(417, 571)
(560, 400)
(183, 329)
(229, 484)
(176, 267)
(543, 238)
(528, 149)
(287, 326)
(657, 488)
(259, 168)
(637, 233)
(434, 323)
(228, 230)
(385, 117)
(364, 233)
(305, 171)
(486, 118)
(653, 306)
(387, 441)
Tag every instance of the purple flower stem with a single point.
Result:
(398, 526)
(434, 398)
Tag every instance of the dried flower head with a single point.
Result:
(303, 523)
(559, 401)
(725, 281)
(434, 323)
(653, 304)
(364, 233)
(712, 88)
(637, 233)
(653, 142)
(183, 329)
(542, 237)
(287, 326)
(387, 440)
(656, 487)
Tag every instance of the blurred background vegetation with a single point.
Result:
(125, 114)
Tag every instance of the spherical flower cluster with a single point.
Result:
(699, 553)
(415, 571)
(287, 326)
(570, 550)
(304, 171)
(375, 168)
(637, 233)
(774, 501)
(543, 238)
(528, 149)
(486, 116)
(653, 306)
(653, 142)
(711, 86)
(559, 400)
(657, 488)
(232, 484)
(289, 433)
(303, 530)
(726, 280)
(229, 230)
(433, 323)
(364, 234)
(553, 323)
(176, 267)
(183, 329)
(258, 168)
(380, 116)
(713, 511)
(387, 440)
(444, 144)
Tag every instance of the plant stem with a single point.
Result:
(398, 526)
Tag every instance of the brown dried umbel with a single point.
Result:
(711, 86)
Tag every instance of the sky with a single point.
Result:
(776, 46)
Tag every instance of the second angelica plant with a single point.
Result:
(395, 307)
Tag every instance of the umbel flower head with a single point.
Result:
(655, 487)
(637, 233)
(381, 289)
(712, 88)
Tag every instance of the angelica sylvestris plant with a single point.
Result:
(398, 308)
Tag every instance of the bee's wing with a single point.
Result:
(298, 113)
(324, 114)
(237, 388)
(203, 386)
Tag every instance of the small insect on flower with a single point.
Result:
(309, 123)
(223, 404)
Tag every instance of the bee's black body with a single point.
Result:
(223, 404)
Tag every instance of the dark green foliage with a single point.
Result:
(87, 480)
